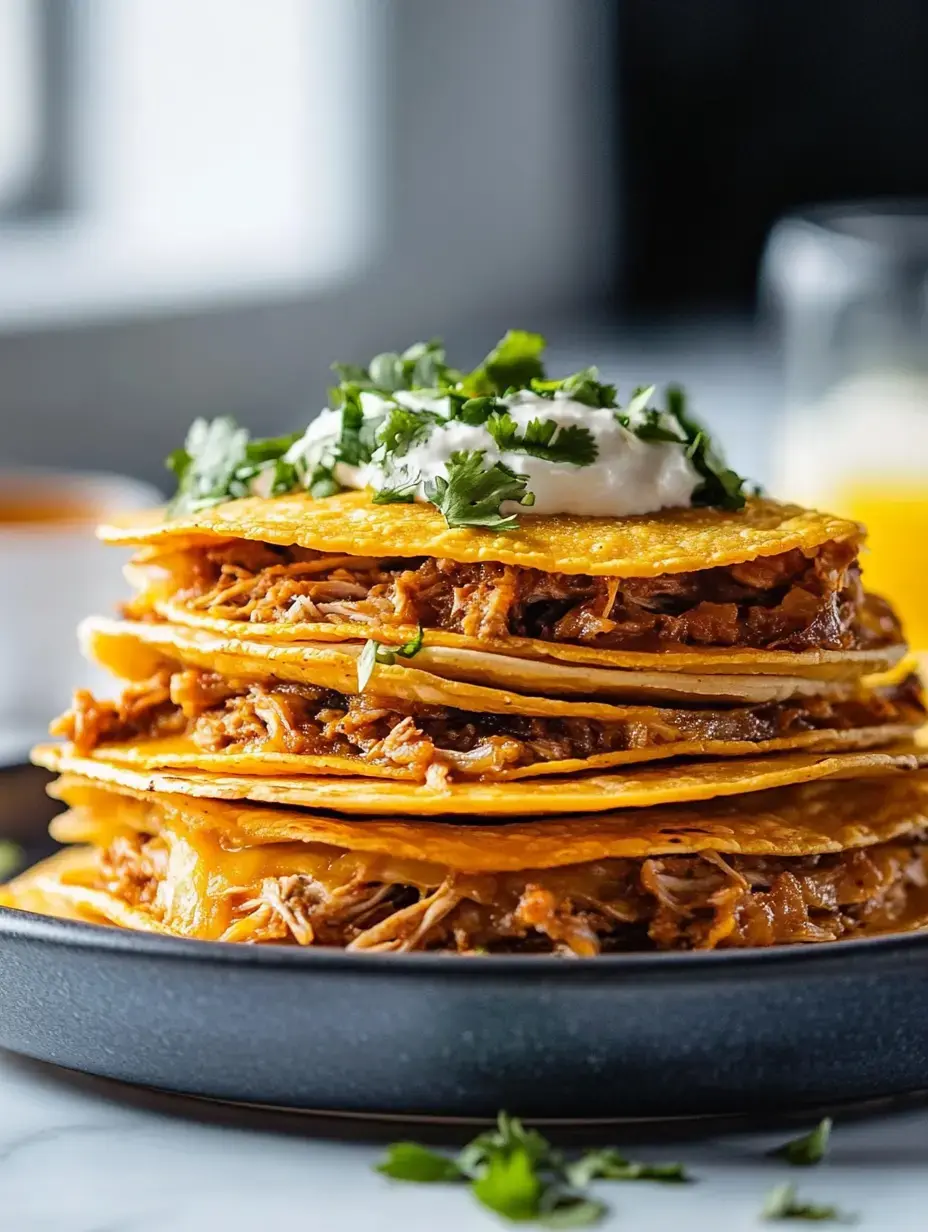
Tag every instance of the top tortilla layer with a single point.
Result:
(672, 541)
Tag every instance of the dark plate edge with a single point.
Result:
(839, 957)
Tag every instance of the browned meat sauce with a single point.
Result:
(236, 716)
(792, 601)
(686, 902)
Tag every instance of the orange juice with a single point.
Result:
(895, 561)
(861, 451)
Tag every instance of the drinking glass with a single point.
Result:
(848, 285)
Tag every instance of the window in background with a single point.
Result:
(207, 148)
(20, 106)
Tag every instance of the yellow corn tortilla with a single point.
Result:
(136, 650)
(804, 819)
(530, 665)
(181, 753)
(672, 541)
(591, 793)
(46, 888)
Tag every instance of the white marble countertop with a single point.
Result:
(82, 1155)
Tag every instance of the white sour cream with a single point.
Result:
(629, 475)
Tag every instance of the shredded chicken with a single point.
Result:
(222, 715)
(703, 901)
(793, 601)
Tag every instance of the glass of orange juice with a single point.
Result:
(849, 286)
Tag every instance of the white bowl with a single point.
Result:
(52, 573)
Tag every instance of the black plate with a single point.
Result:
(639, 1035)
(749, 1031)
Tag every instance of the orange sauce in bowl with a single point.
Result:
(45, 508)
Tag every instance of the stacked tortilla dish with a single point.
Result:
(366, 722)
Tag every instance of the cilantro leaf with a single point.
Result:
(475, 411)
(403, 428)
(544, 438)
(408, 1161)
(373, 652)
(609, 1165)
(322, 482)
(584, 386)
(410, 649)
(808, 1149)
(358, 437)
(720, 486)
(220, 462)
(402, 493)
(471, 493)
(421, 366)
(509, 1185)
(518, 1174)
(513, 363)
(782, 1202)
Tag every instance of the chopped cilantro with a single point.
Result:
(322, 482)
(471, 493)
(782, 1202)
(513, 363)
(408, 1161)
(401, 493)
(402, 428)
(720, 486)
(584, 386)
(518, 1174)
(609, 1165)
(220, 462)
(808, 1149)
(373, 653)
(543, 438)
(420, 366)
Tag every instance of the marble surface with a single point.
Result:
(82, 1155)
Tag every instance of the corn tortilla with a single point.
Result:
(671, 541)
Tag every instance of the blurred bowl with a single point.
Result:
(54, 572)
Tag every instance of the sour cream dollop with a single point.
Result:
(629, 475)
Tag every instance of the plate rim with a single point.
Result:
(680, 965)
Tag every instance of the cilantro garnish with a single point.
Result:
(402, 492)
(543, 438)
(421, 366)
(471, 493)
(720, 486)
(518, 1174)
(220, 462)
(808, 1149)
(374, 652)
(584, 386)
(402, 428)
(782, 1202)
(377, 421)
(513, 363)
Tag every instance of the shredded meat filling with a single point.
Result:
(687, 902)
(792, 601)
(222, 715)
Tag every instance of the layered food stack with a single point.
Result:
(489, 662)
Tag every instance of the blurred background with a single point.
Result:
(204, 202)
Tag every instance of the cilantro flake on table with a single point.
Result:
(517, 1174)
(808, 1149)
(782, 1203)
